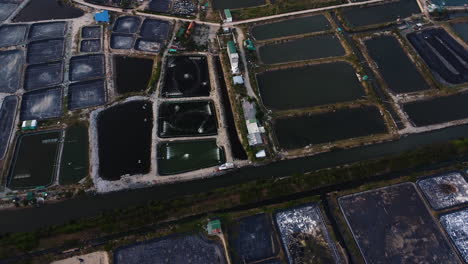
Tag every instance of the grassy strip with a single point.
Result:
(224, 198)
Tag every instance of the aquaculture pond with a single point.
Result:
(462, 30)
(252, 238)
(47, 10)
(179, 249)
(182, 156)
(124, 138)
(7, 120)
(181, 119)
(75, 158)
(304, 235)
(35, 161)
(447, 58)
(309, 48)
(396, 67)
(392, 225)
(234, 4)
(132, 74)
(455, 225)
(308, 86)
(289, 27)
(450, 2)
(301, 131)
(380, 13)
(186, 76)
(438, 110)
(444, 190)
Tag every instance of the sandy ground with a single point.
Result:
(98, 257)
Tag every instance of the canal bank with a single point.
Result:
(91, 206)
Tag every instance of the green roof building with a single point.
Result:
(214, 227)
(228, 15)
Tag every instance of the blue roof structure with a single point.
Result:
(102, 17)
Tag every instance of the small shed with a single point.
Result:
(228, 15)
(238, 80)
(29, 125)
(214, 227)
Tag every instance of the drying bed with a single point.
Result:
(7, 120)
(393, 64)
(154, 29)
(445, 190)
(35, 160)
(290, 27)
(457, 229)
(304, 235)
(437, 110)
(43, 75)
(91, 32)
(186, 76)
(127, 24)
(442, 53)
(49, 30)
(12, 35)
(42, 104)
(252, 238)
(147, 45)
(122, 41)
(91, 45)
(12, 62)
(179, 249)
(86, 94)
(309, 86)
(316, 47)
(87, 67)
(183, 119)
(182, 156)
(45, 51)
(301, 131)
(393, 225)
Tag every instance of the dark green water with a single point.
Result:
(381, 13)
(462, 30)
(395, 66)
(35, 160)
(300, 131)
(37, 10)
(309, 86)
(439, 110)
(75, 155)
(183, 156)
(290, 27)
(316, 47)
(88, 205)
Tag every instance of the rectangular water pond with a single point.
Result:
(316, 47)
(179, 249)
(252, 238)
(309, 86)
(304, 235)
(392, 225)
(45, 51)
(290, 27)
(7, 120)
(457, 229)
(300, 131)
(75, 157)
(235, 4)
(91, 32)
(86, 94)
(132, 74)
(438, 110)
(183, 119)
(35, 160)
(48, 10)
(445, 190)
(42, 104)
(87, 67)
(380, 13)
(442, 53)
(183, 156)
(43, 75)
(186, 76)
(396, 67)
(124, 135)
(12, 35)
(11, 70)
(462, 30)
(47, 30)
